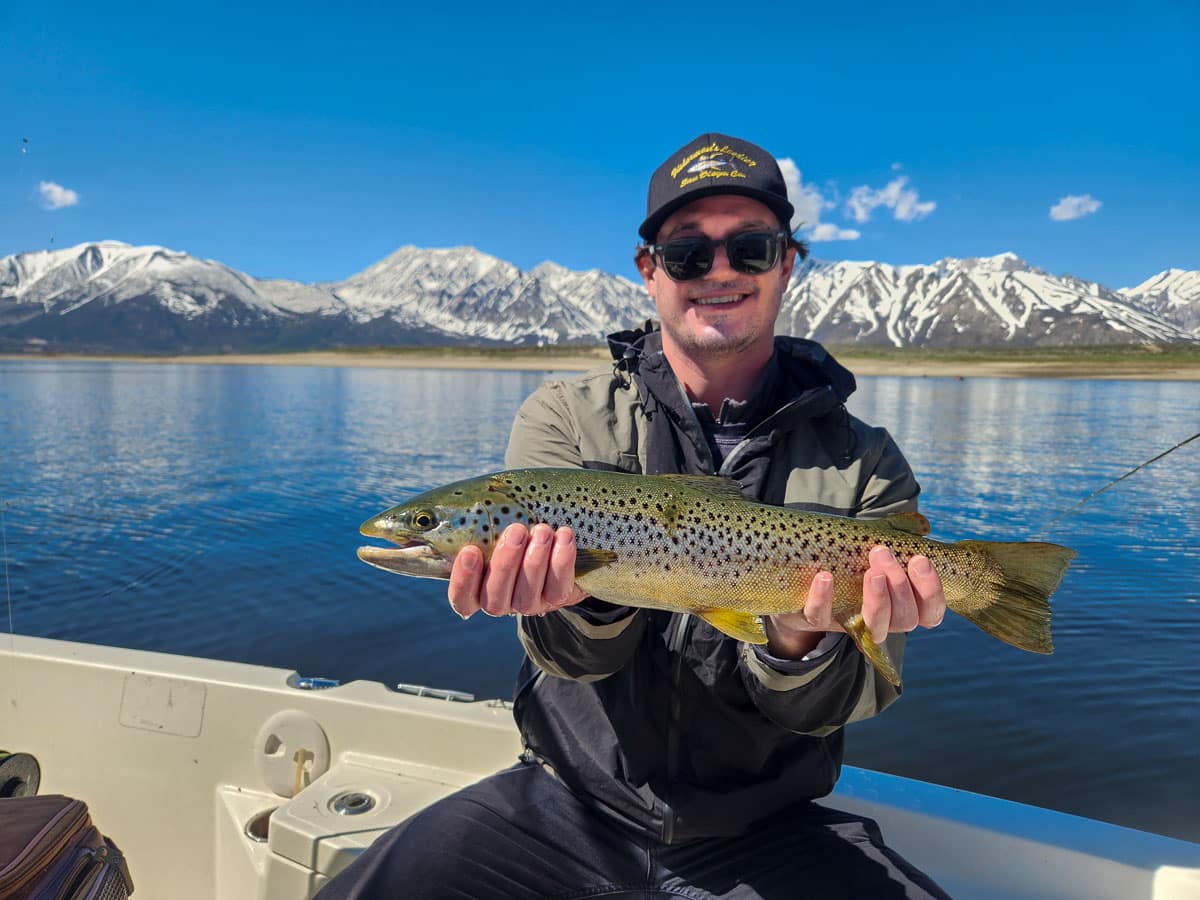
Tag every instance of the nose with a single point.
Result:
(720, 262)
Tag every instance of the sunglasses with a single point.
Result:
(752, 252)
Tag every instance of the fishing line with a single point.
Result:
(1062, 515)
(7, 587)
(12, 635)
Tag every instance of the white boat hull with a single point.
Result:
(192, 766)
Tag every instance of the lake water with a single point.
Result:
(214, 511)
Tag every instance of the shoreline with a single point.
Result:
(1143, 367)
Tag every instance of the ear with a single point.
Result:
(646, 268)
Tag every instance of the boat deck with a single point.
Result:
(258, 786)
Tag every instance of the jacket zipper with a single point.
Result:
(683, 625)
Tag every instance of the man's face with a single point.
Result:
(725, 312)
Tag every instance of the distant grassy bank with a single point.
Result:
(1167, 362)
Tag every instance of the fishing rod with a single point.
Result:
(1062, 515)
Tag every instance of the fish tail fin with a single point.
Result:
(1019, 609)
(877, 654)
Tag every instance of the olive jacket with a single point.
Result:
(664, 723)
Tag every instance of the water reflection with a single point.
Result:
(214, 510)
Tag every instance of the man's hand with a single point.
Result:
(893, 600)
(532, 572)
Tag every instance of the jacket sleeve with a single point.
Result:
(593, 639)
(819, 695)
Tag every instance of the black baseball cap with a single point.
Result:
(715, 164)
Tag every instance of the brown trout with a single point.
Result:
(694, 544)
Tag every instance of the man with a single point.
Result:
(662, 757)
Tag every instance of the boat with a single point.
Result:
(227, 781)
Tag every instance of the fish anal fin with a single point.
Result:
(591, 560)
(911, 522)
(740, 625)
(875, 653)
(717, 486)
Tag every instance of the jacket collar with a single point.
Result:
(803, 377)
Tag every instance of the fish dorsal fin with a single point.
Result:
(912, 522)
(591, 560)
(497, 485)
(714, 485)
(741, 625)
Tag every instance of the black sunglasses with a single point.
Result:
(752, 252)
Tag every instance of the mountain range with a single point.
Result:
(112, 297)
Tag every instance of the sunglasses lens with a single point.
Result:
(754, 252)
(687, 259)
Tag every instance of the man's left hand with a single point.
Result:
(894, 599)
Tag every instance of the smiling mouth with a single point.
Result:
(720, 299)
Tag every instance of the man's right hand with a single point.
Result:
(532, 572)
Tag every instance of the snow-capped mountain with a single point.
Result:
(466, 294)
(110, 296)
(999, 300)
(1173, 294)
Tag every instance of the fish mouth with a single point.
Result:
(411, 558)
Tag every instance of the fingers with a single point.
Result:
(902, 614)
(527, 592)
(560, 589)
(877, 604)
(507, 558)
(465, 578)
(531, 571)
(818, 607)
(927, 586)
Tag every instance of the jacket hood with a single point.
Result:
(804, 363)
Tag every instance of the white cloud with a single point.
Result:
(1074, 206)
(805, 198)
(810, 203)
(829, 232)
(55, 196)
(896, 167)
(904, 202)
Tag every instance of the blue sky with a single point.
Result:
(309, 141)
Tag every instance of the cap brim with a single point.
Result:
(782, 208)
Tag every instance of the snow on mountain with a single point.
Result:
(1173, 294)
(959, 303)
(465, 293)
(62, 281)
(110, 295)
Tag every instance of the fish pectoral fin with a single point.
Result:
(910, 522)
(743, 626)
(591, 560)
(875, 653)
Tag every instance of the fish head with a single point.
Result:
(429, 530)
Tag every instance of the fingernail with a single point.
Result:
(921, 566)
(514, 536)
(470, 562)
(825, 578)
(542, 535)
(879, 582)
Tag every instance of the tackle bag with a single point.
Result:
(50, 850)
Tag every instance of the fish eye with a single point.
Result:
(423, 519)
